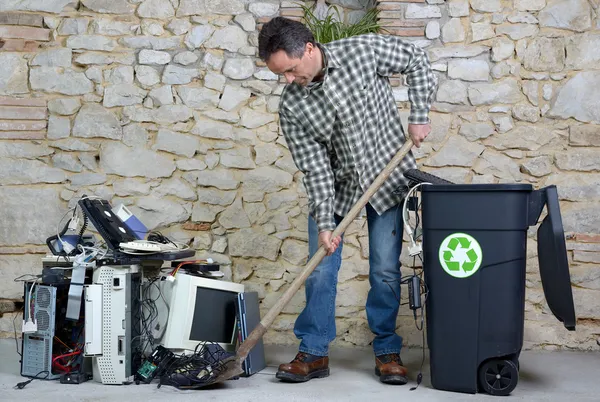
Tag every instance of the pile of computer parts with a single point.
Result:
(117, 303)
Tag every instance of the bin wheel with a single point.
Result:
(499, 377)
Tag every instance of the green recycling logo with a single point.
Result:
(460, 255)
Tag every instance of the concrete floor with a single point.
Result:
(544, 376)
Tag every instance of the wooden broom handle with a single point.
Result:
(268, 319)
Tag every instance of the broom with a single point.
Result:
(233, 368)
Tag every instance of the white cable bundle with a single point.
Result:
(415, 248)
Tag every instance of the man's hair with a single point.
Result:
(283, 34)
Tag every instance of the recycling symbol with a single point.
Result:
(460, 255)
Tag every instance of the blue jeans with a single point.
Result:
(315, 326)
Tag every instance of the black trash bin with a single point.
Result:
(474, 258)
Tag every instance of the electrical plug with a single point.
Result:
(415, 249)
(29, 326)
(67, 247)
(74, 223)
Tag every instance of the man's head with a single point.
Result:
(289, 48)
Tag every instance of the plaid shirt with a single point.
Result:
(343, 130)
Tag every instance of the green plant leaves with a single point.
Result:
(331, 28)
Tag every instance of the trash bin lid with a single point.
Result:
(478, 187)
(554, 265)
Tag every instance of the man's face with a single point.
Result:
(299, 70)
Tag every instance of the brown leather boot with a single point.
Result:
(303, 368)
(390, 370)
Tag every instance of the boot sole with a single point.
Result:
(394, 379)
(289, 377)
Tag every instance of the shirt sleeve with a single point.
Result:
(311, 158)
(394, 55)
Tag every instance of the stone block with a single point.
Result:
(517, 31)
(230, 38)
(457, 151)
(13, 74)
(578, 98)
(177, 143)
(482, 31)
(158, 9)
(23, 113)
(476, 131)
(458, 8)
(91, 42)
(34, 20)
(253, 243)
(13, 101)
(179, 26)
(53, 58)
(105, 26)
(198, 98)
(498, 165)
(486, 6)
(417, 11)
(584, 135)
(574, 15)
(14, 266)
(581, 217)
(22, 125)
(529, 5)
(58, 127)
(469, 70)
(22, 204)
(576, 187)
(538, 167)
(110, 6)
(20, 32)
(581, 51)
(119, 159)
(263, 8)
(157, 213)
(23, 171)
(73, 26)
(456, 51)
(504, 91)
(185, 58)
(123, 95)
(69, 82)
(22, 135)
(95, 121)
(579, 159)
(545, 54)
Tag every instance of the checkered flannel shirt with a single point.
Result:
(343, 130)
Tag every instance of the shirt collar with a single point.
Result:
(330, 61)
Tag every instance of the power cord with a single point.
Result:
(417, 288)
(23, 384)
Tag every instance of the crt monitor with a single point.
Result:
(192, 310)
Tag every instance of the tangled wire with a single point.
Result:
(198, 369)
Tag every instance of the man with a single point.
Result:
(341, 123)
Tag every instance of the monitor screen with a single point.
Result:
(214, 316)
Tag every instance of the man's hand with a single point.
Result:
(418, 133)
(330, 244)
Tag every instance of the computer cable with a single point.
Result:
(417, 288)
(196, 370)
(415, 247)
(23, 384)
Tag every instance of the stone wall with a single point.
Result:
(163, 106)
